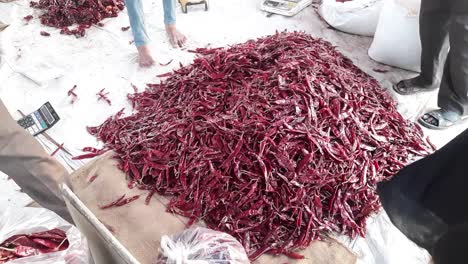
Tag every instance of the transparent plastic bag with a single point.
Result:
(201, 246)
(17, 221)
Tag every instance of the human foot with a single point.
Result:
(145, 59)
(440, 119)
(413, 86)
(176, 38)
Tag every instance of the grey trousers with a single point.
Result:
(440, 25)
(25, 161)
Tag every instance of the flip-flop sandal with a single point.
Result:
(435, 120)
(403, 88)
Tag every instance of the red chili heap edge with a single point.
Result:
(65, 13)
(20, 246)
(273, 141)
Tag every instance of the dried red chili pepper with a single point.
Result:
(103, 96)
(125, 28)
(113, 203)
(380, 70)
(57, 150)
(92, 178)
(272, 141)
(28, 18)
(26, 245)
(167, 63)
(85, 13)
(72, 93)
(45, 34)
(121, 201)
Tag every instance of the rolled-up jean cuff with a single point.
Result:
(142, 42)
(170, 22)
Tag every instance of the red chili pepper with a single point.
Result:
(165, 64)
(45, 34)
(103, 96)
(28, 18)
(72, 93)
(63, 14)
(113, 203)
(57, 150)
(377, 69)
(273, 141)
(86, 156)
(125, 28)
(25, 245)
(92, 178)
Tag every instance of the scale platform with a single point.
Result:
(284, 7)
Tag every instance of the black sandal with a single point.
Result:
(404, 87)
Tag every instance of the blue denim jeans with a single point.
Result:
(137, 19)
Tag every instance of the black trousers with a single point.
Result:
(443, 23)
(428, 201)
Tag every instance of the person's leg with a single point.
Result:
(176, 38)
(453, 94)
(169, 7)
(433, 31)
(140, 36)
(137, 21)
(25, 161)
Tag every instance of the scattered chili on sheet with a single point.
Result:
(273, 141)
(83, 14)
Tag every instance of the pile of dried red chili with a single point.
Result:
(84, 13)
(20, 246)
(273, 141)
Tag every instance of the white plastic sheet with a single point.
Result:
(396, 41)
(358, 17)
(16, 221)
(202, 246)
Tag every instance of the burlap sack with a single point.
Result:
(139, 227)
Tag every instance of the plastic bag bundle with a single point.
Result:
(201, 246)
(358, 17)
(19, 221)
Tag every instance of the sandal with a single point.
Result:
(405, 87)
(437, 120)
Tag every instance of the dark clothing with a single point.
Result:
(428, 200)
(453, 93)
(443, 22)
(456, 6)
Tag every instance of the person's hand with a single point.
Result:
(176, 38)
(145, 59)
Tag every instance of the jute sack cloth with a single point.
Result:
(139, 227)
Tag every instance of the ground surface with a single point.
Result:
(105, 58)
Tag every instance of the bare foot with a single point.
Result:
(176, 38)
(144, 56)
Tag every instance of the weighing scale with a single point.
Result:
(186, 3)
(40, 120)
(284, 7)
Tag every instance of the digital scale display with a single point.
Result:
(40, 120)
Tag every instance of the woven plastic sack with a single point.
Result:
(396, 41)
(201, 246)
(17, 221)
(358, 17)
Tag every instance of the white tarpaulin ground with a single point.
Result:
(105, 58)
